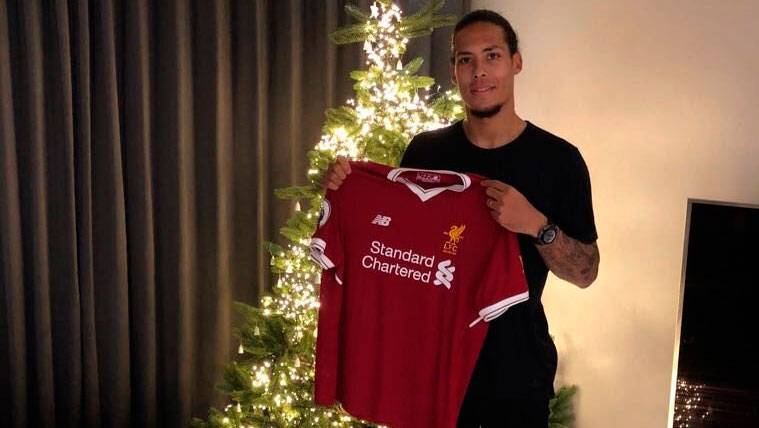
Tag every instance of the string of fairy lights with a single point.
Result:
(689, 407)
(393, 104)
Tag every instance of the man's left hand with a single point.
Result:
(512, 210)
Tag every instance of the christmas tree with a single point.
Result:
(271, 382)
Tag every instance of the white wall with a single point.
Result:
(662, 98)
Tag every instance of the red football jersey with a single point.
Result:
(413, 261)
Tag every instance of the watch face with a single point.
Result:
(549, 235)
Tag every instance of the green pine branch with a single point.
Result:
(420, 24)
(562, 408)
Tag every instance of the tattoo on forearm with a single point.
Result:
(571, 260)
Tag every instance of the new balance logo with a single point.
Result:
(381, 220)
(444, 274)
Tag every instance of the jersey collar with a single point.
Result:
(425, 194)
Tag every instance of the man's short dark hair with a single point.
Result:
(484, 15)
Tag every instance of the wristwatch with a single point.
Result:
(547, 234)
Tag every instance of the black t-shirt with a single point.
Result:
(518, 358)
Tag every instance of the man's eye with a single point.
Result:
(463, 60)
(493, 55)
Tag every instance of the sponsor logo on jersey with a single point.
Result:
(407, 263)
(454, 238)
(427, 177)
(444, 274)
(381, 220)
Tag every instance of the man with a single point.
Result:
(539, 187)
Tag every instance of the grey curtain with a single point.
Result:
(140, 143)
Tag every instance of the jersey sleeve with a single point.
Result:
(327, 241)
(327, 251)
(327, 340)
(503, 283)
(575, 211)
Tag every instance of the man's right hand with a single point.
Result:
(336, 173)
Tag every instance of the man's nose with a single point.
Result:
(479, 70)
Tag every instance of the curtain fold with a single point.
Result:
(140, 212)
(60, 165)
(13, 346)
(140, 143)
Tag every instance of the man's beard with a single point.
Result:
(489, 112)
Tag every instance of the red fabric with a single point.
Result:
(392, 346)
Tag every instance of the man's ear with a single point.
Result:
(453, 74)
(516, 59)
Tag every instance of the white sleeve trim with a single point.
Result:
(317, 253)
(489, 313)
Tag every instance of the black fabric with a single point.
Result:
(519, 358)
(497, 412)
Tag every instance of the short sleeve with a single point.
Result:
(503, 283)
(410, 157)
(574, 215)
(327, 241)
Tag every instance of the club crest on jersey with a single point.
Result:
(454, 238)
(381, 220)
(324, 212)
